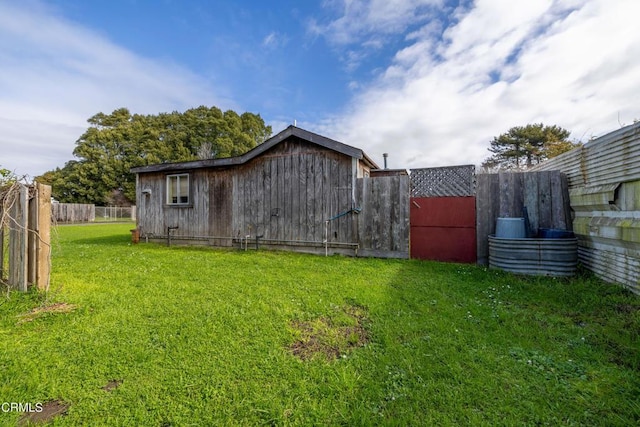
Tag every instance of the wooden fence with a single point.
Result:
(383, 221)
(73, 212)
(544, 194)
(25, 229)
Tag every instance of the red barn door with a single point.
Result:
(443, 228)
(443, 214)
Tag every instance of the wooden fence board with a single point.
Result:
(43, 242)
(531, 199)
(18, 240)
(557, 201)
(32, 225)
(484, 213)
(544, 204)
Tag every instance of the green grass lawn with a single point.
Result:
(148, 335)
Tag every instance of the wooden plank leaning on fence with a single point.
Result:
(18, 200)
(43, 270)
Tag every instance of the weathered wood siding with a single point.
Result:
(604, 191)
(156, 216)
(504, 195)
(284, 198)
(288, 193)
(220, 207)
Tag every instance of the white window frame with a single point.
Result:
(174, 185)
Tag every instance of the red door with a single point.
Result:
(443, 228)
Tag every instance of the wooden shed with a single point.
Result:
(296, 191)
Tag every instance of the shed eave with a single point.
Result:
(194, 164)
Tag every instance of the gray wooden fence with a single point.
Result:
(73, 212)
(544, 194)
(25, 229)
(383, 222)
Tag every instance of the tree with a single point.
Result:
(525, 146)
(7, 178)
(116, 142)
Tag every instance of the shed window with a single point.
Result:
(178, 189)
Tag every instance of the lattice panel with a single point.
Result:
(452, 181)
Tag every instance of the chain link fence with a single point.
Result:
(115, 213)
(74, 213)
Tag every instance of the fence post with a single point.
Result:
(32, 236)
(1, 249)
(43, 243)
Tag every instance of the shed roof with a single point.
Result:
(255, 152)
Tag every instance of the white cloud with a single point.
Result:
(274, 40)
(364, 26)
(369, 19)
(30, 147)
(566, 62)
(55, 74)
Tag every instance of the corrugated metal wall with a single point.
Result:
(604, 191)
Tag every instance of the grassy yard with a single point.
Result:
(154, 336)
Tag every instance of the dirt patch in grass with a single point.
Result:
(332, 336)
(627, 308)
(58, 307)
(50, 410)
(112, 385)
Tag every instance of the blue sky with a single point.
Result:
(429, 81)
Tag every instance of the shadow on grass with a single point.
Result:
(105, 240)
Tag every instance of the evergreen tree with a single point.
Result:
(525, 146)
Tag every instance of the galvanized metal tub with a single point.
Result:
(545, 257)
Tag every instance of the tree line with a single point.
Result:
(114, 143)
